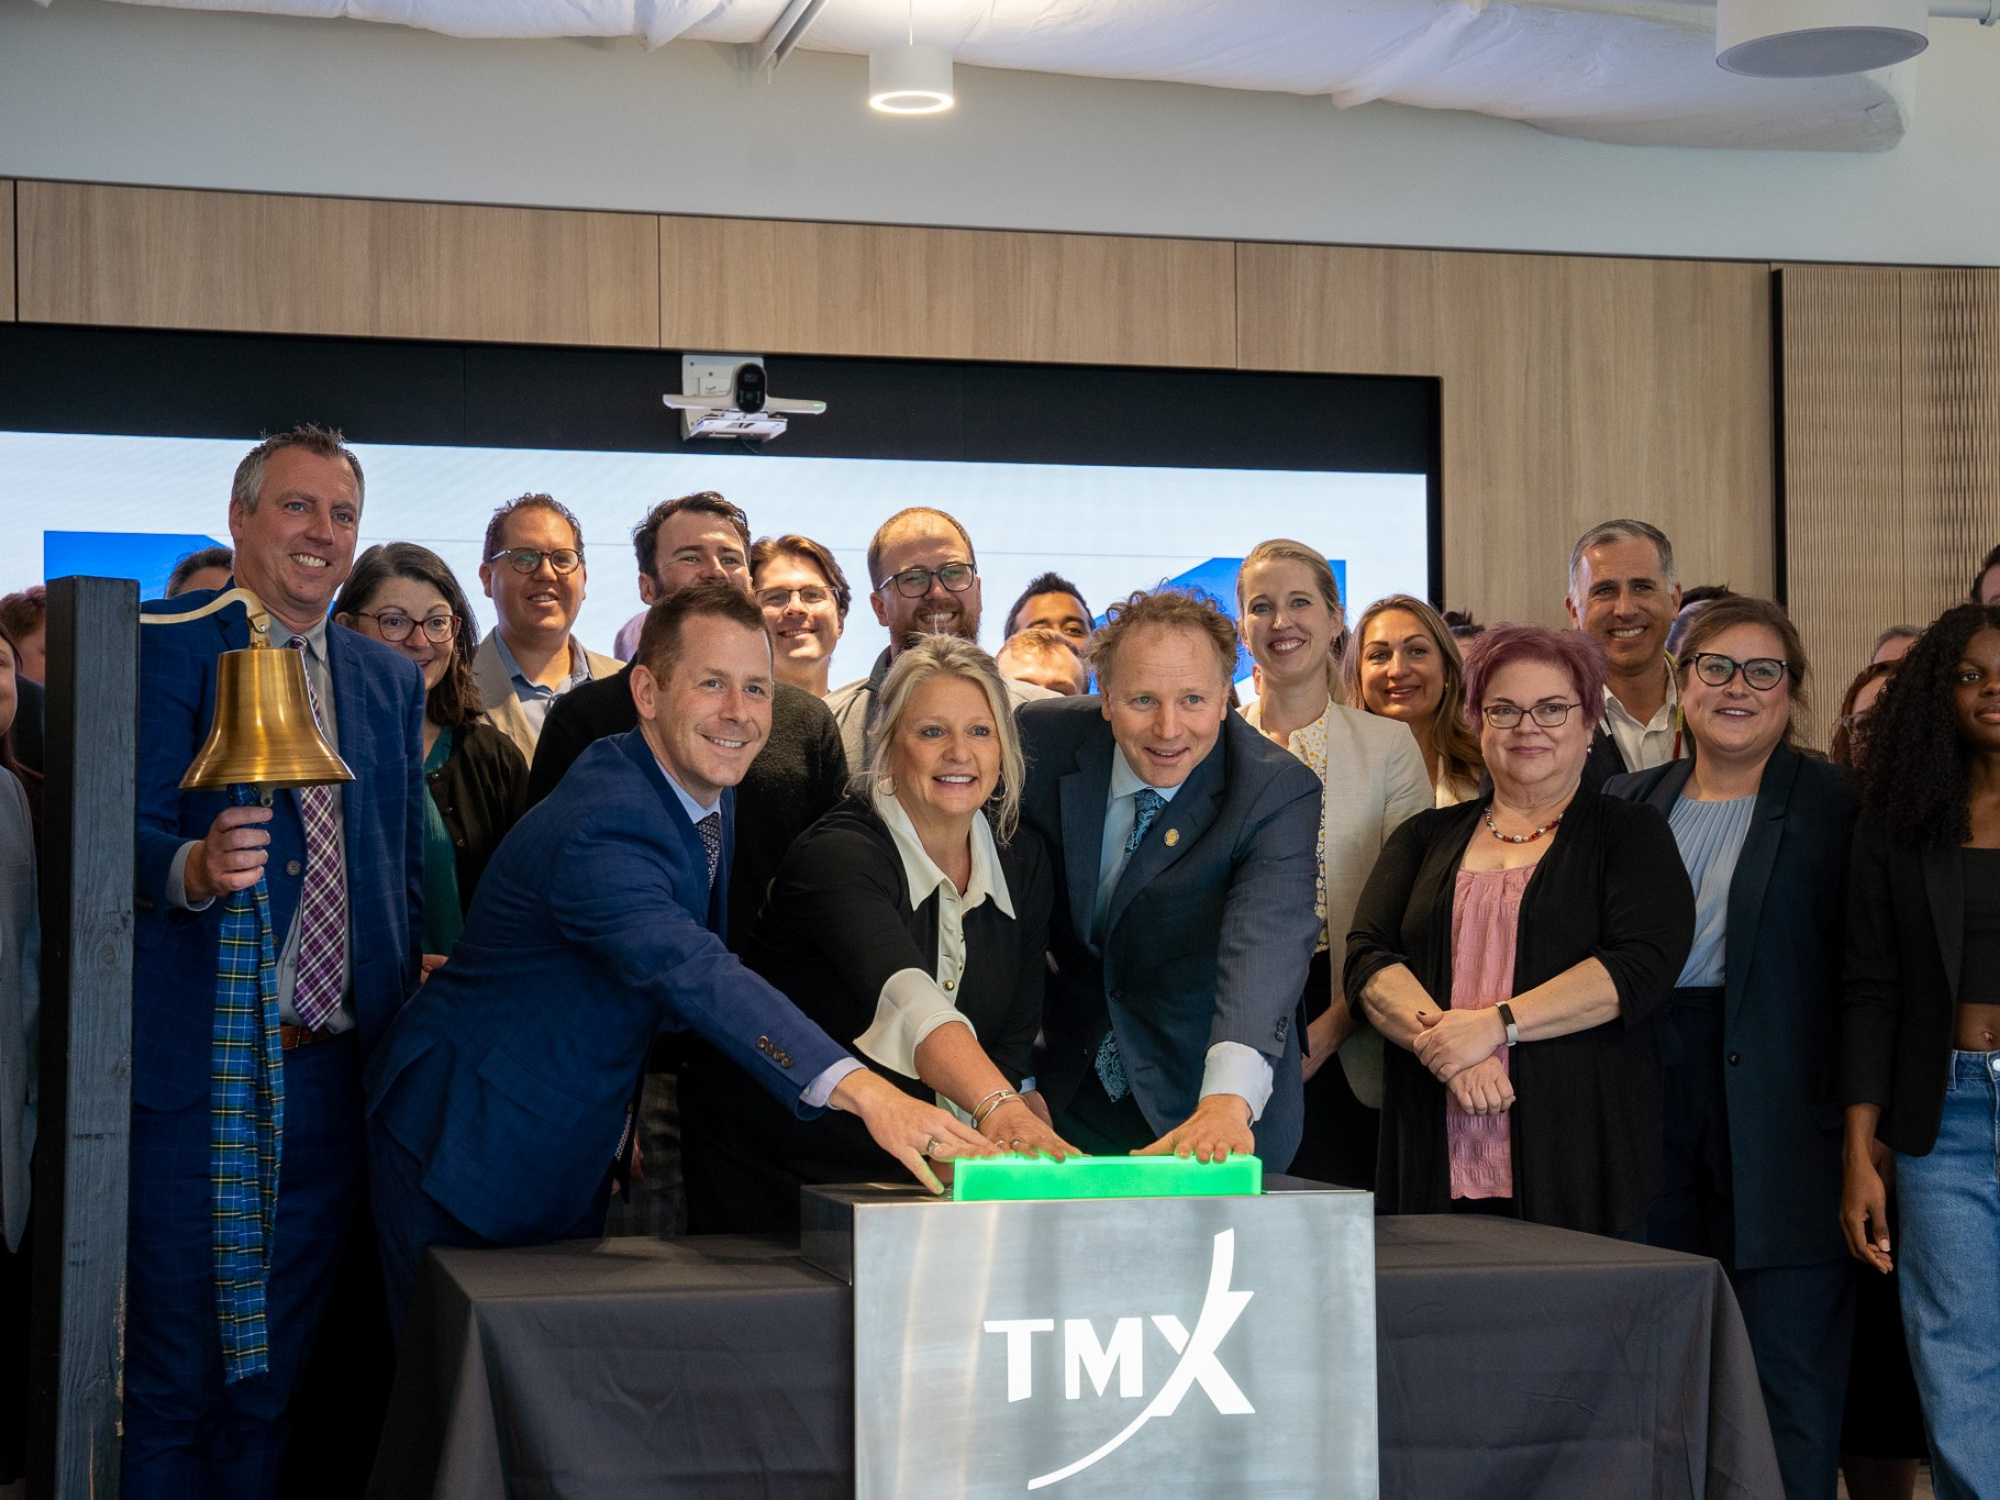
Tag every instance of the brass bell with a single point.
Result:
(264, 734)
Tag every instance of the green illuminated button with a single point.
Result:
(1011, 1179)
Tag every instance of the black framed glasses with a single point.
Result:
(1762, 672)
(811, 595)
(393, 626)
(914, 583)
(525, 560)
(1550, 714)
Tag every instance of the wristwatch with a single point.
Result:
(1507, 1020)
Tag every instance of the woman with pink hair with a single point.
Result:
(1516, 952)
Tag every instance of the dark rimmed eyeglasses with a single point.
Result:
(526, 560)
(393, 626)
(914, 583)
(811, 595)
(1550, 715)
(1762, 672)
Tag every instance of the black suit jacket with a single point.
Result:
(799, 774)
(1905, 948)
(28, 723)
(1782, 1005)
(1604, 761)
(1211, 928)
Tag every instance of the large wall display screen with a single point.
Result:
(1119, 480)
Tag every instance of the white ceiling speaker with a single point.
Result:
(910, 80)
(1817, 38)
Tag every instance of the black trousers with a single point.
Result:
(1800, 1318)
(1341, 1133)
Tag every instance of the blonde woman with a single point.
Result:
(1405, 665)
(910, 922)
(1289, 608)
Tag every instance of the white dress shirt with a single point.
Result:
(1654, 742)
(913, 1004)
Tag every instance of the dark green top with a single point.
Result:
(444, 919)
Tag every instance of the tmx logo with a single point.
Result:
(1124, 1355)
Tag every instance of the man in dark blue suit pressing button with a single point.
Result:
(1184, 920)
(502, 1097)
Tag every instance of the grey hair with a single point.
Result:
(326, 442)
(949, 656)
(1622, 531)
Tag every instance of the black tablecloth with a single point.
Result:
(1514, 1361)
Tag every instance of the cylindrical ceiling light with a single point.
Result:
(910, 80)
(1817, 38)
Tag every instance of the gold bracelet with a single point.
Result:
(983, 1110)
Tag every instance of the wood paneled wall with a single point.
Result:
(870, 290)
(1575, 389)
(252, 262)
(1892, 451)
(6, 249)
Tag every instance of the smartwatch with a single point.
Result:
(1507, 1020)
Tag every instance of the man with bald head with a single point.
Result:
(923, 580)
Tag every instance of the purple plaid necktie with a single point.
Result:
(322, 899)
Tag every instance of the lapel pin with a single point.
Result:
(1173, 837)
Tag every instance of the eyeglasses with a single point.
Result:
(809, 596)
(529, 560)
(1550, 715)
(393, 626)
(914, 583)
(1762, 672)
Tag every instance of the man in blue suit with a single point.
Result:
(1184, 921)
(503, 1095)
(343, 867)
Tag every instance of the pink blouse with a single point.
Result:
(1485, 913)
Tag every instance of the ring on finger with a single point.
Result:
(1015, 1143)
(931, 1146)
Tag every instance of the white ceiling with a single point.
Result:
(1636, 72)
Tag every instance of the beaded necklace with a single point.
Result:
(1519, 838)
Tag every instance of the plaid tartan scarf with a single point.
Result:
(247, 1123)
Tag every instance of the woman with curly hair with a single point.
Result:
(1405, 665)
(1920, 1065)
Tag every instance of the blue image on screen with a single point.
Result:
(1217, 579)
(148, 556)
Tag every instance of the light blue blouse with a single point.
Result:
(1710, 835)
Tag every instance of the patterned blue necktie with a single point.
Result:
(710, 829)
(1146, 805)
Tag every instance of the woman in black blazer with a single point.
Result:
(407, 597)
(907, 926)
(1752, 1112)
(1920, 1057)
(1547, 916)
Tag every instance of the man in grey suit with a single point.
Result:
(1185, 847)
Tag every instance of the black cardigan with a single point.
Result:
(1587, 1113)
(797, 776)
(838, 924)
(481, 791)
(1905, 943)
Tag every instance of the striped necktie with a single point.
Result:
(1110, 1063)
(323, 898)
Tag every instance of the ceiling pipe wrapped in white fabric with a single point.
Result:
(1637, 72)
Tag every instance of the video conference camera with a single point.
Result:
(729, 396)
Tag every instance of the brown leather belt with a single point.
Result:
(291, 1037)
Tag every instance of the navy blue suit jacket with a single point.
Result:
(1211, 928)
(508, 1074)
(1782, 1002)
(378, 709)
